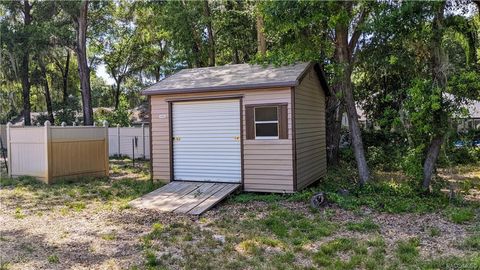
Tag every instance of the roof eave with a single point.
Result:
(149, 91)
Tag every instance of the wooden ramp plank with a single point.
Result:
(147, 200)
(214, 199)
(190, 202)
(182, 199)
(185, 197)
(164, 204)
(156, 194)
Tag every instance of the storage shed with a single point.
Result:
(261, 127)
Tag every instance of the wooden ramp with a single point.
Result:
(185, 197)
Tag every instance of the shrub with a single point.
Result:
(384, 149)
(412, 163)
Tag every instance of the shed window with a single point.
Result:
(266, 122)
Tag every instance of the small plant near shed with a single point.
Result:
(151, 258)
(433, 231)
(109, 236)
(53, 259)
(19, 214)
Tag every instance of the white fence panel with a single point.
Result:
(129, 141)
(27, 151)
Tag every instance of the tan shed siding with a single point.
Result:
(310, 131)
(267, 163)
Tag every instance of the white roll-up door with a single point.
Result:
(206, 140)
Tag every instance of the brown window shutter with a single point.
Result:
(283, 122)
(249, 123)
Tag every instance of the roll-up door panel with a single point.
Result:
(206, 141)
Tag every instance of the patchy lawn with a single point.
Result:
(387, 224)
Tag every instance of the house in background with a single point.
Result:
(472, 120)
(260, 127)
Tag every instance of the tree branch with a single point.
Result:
(358, 31)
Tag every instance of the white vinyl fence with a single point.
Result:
(51, 152)
(129, 141)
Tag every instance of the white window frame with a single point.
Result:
(255, 122)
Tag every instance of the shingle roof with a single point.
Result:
(230, 77)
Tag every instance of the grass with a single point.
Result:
(386, 192)
(460, 214)
(472, 242)
(296, 228)
(76, 196)
(407, 251)
(367, 225)
(276, 234)
(350, 253)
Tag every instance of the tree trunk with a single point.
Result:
(343, 57)
(261, 41)
(431, 161)
(65, 79)
(211, 41)
(157, 74)
(25, 74)
(236, 57)
(334, 111)
(440, 80)
(356, 135)
(83, 69)
(117, 92)
(48, 99)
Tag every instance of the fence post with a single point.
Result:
(9, 150)
(48, 163)
(118, 140)
(107, 154)
(143, 139)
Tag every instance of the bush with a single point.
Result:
(412, 163)
(384, 149)
(466, 154)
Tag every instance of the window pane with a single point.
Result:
(266, 130)
(266, 114)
